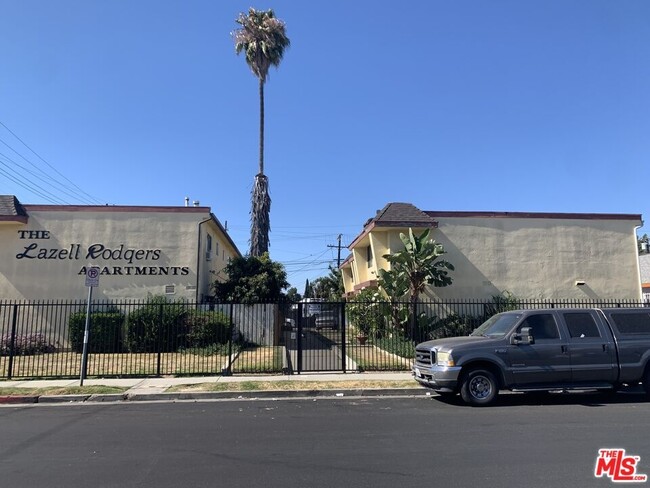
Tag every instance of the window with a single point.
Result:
(369, 256)
(170, 289)
(581, 325)
(632, 323)
(208, 251)
(542, 326)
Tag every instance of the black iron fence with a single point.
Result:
(155, 337)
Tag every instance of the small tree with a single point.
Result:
(365, 313)
(293, 295)
(308, 290)
(419, 265)
(643, 243)
(395, 287)
(329, 287)
(252, 279)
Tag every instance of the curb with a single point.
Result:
(213, 395)
(18, 399)
(270, 394)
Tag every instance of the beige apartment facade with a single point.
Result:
(45, 251)
(554, 256)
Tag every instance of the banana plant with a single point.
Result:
(419, 265)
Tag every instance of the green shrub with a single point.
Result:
(453, 325)
(205, 329)
(366, 312)
(158, 326)
(502, 303)
(105, 334)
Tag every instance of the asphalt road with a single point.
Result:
(524, 441)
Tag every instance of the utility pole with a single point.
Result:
(338, 246)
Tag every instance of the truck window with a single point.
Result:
(497, 325)
(581, 325)
(543, 326)
(632, 323)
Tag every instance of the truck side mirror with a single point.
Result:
(523, 337)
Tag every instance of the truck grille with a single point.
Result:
(425, 357)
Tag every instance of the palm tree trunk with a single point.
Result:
(261, 200)
(261, 127)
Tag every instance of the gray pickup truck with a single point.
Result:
(540, 350)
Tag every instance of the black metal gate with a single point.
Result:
(314, 338)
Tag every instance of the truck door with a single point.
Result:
(544, 362)
(593, 358)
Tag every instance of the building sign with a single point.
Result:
(123, 260)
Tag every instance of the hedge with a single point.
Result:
(105, 334)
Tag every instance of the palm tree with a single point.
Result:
(263, 39)
(417, 266)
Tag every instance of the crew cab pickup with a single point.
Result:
(540, 350)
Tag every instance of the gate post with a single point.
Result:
(159, 339)
(343, 338)
(12, 342)
(299, 339)
(231, 325)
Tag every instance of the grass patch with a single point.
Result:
(283, 385)
(371, 358)
(259, 360)
(67, 364)
(63, 390)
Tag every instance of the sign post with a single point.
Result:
(92, 280)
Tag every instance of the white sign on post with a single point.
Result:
(92, 276)
(92, 281)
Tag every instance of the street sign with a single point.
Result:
(92, 276)
(92, 281)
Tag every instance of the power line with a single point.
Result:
(27, 170)
(27, 187)
(78, 192)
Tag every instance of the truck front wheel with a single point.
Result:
(479, 388)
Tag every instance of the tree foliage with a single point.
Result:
(263, 39)
(329, 287)
(643, 243)
(252, 279)
(293, 295)
(415, 267)
(419, 263)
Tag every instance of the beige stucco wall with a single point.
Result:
(541, 258)
(212, 263)
(535, 258)
(139, 252)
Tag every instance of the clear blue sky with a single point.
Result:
(540, 105)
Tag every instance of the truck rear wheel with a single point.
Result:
(646, 381)
(479, 388)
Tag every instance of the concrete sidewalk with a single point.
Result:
(154, 389)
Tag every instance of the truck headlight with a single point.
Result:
(444, 359)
